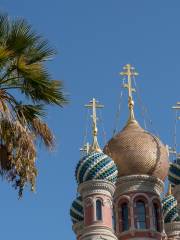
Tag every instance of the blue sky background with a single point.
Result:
(94, 39)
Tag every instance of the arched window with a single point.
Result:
(155, 217)
(98, 210)
(140, 214)
(124, 215)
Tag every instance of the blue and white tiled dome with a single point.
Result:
(96, 165)
(76, 211)
(174, 173)
(169, 206)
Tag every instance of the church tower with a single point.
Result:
(120, 188)
(142, 162)
(171, 216)
(96, 175)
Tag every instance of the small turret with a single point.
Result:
(170, 214)
(96, 174)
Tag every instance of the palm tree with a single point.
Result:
(26, 87)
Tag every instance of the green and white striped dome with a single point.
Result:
(96, 165)
(169, 207)
(76, 210)
(174, 173)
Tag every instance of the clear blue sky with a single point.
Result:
(94, 40)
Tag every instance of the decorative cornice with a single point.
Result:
(88, 202)
(139, 183)
(133, 232)
(172, 229)
(97, 232)
(96, 187)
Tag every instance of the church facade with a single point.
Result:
(120, 187)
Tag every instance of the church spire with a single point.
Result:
(129, 71)
(94, 105)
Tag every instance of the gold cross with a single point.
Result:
(85, 148)
(94, 105)
(177, 107)
(129, 72)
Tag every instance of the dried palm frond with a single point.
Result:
(5, 163)
(41, 130)
(20, 153)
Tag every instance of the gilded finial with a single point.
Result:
(169, 190)
(94, 105)
(129, 71)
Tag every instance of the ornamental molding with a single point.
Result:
(91, 201)
(141, 196)
(132, 232)
(101, 238)
(97, 232)
(108, 203)
(142, 238)
(155, 199)
(138, 183)
(172, 229)
(96, 187)
(88, 202)
(173, 238)
(124, 198)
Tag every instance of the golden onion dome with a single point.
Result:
(136, 151)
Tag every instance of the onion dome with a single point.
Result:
(136, 151)
(76, 211)
(174, 173)
(96, 165)
(169, 207)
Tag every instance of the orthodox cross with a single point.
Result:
(177, 107)
(85, 148)
(94, 105)
(129, 72)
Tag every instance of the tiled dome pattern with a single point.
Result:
(96, 165)
(76, 211)
(169, 206)
(136, 151)
(174, 173)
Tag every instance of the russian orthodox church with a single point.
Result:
(121, 188)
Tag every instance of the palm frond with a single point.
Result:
(29, 115)
(40, 52)
(37, 84)
(28, 112)
(21, 36)
(19, 152)
(43, 132)
(5, 56)
(4, 28)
